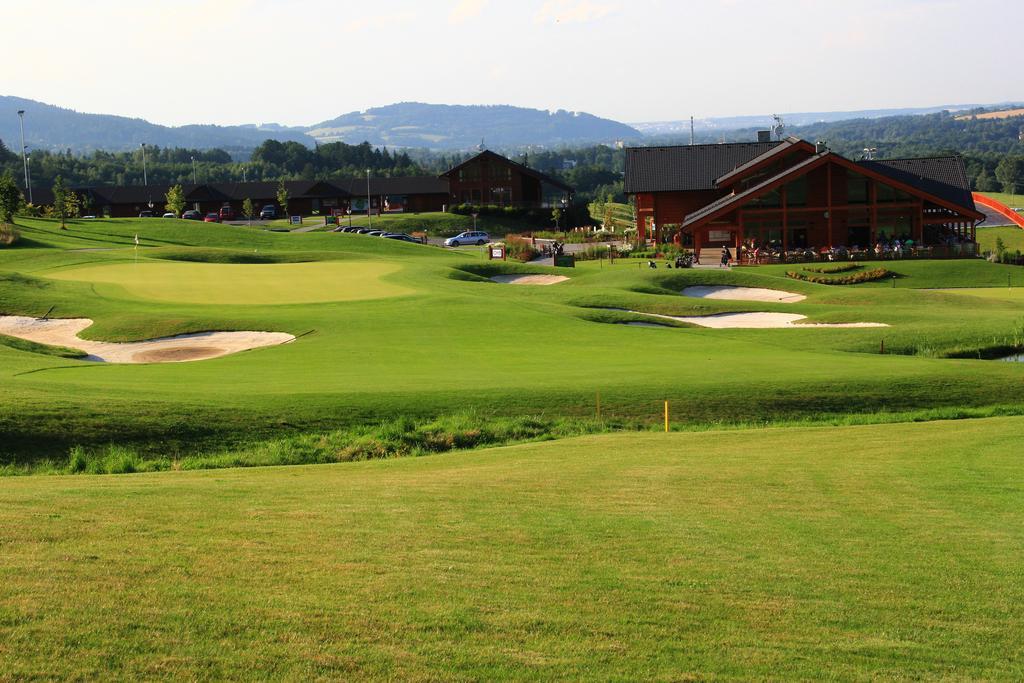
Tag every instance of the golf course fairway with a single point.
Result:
(851, 553)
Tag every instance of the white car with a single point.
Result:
(471, 237)
(170, 214)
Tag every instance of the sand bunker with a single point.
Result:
(743, 294)
(529, 279)
(753, 321)
(184, 347)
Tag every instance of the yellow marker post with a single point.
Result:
(666, 417)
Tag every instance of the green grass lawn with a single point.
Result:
(856, 553)
(403, 330)
(435, 224)
(1012, 236)
(1014, 201)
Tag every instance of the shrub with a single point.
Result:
(856, 278)
(841, 268)
(8, 235)
(520, 249)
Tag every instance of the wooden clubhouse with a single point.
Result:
(490, 178)
(789, 195)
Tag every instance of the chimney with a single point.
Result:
(820, 147)
(764, 136)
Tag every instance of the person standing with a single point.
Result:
(726, 257)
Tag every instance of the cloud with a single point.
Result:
(572, 11)
(466, 10)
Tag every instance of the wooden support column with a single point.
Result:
(828, 203)
(739, 235)
(873, 220)
(918, 224)
(785, 223)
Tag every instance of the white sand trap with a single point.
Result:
(752, 321)
(529, 279)
(743, 294)
(184, 347)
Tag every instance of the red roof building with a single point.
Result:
(794, 195)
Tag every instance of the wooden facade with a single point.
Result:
(490, 178)
(796, 196)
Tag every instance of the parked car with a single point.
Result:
(170, 214)
(145, 214)
(403, 238)
(470, 237)
(268, 213)
(227, 213)
(212, 218)
(363, 231)
(375, 233)
(192, 215)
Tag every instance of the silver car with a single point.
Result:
(470, 237)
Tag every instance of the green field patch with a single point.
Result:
(240, 284)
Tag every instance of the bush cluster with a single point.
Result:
(8, 235)
(520, 248)
(855, 279)
(841, 268)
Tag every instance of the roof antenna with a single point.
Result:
(869, 153)
(481, 147)
(691, 130)
(779, 127)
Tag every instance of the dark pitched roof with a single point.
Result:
(777, 151)
(944, 177)
(729, 200)
(395, 186)
(525, 170)
(688, 167)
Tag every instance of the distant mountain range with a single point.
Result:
(408, 124)
(764, 121)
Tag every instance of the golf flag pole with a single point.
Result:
(666, 417)
(136, 247)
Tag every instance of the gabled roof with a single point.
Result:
(687, 167)
(787, 146)
(726, 203)
(356, 187)
(944, 177)
(525, 170)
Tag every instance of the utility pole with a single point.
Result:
(145, 178)
(24, 154)
(369, 220)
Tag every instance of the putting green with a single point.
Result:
(215, 283)
(1003, 293)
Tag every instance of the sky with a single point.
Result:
(299, 62)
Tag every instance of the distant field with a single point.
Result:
(1014, 201)
(1013, 238)
(859, 553)
(1005, 114)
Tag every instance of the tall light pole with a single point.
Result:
(28, 176)
(194, 181)
(145, 178)
(24, 154)
(369, 219)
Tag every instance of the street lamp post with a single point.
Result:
(145, 177)
(194, 181)
(24, 154)
(369, 219)
(28, 176)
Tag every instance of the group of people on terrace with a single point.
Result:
(884, 248)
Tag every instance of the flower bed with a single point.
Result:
(855, 279)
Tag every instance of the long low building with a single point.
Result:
(796, 195)
(519, 186)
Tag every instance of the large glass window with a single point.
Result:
(856, 189)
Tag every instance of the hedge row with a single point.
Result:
(855, 279)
